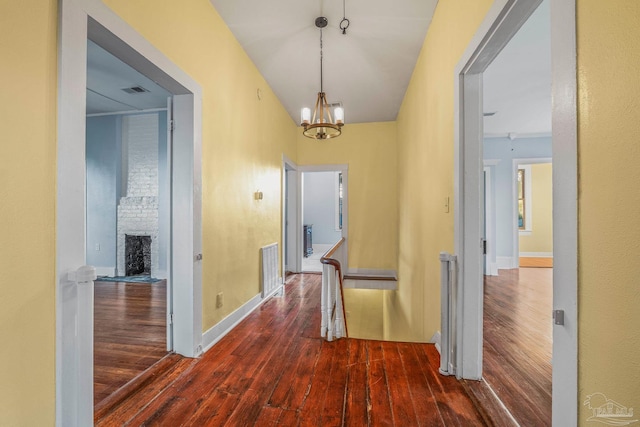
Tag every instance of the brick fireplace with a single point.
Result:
(138, 210)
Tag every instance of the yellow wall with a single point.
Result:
(609, 201)
(541, 237)
(237, 158)
(28, 80)
(370, 150)
(425, 173)
(364, 313)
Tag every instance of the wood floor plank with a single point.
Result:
(455, 405)
(401, 402)
(274, 369)
(215, 410)
(333, 411)
(378, 387)
(315, 400)
(268, 416)
(358, 400)
(424, 402)
(122, 410)
(129, 332)
(518, 342)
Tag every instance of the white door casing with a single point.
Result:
(502, 21)
(290, 220)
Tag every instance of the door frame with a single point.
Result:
(491, 268)
(289, 167)
(80, 20)
(503, 20)
(514, 194)
(344, 168)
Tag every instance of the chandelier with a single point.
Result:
(322, 125)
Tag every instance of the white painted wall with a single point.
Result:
(107, 183)
(320, 205)
(103, 184)
(505, 150)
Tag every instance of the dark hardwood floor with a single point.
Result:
(129, 332)
(274, 369)
(518, 342)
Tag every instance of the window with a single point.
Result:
(523, 198)
(522, 214)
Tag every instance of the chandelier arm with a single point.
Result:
(326, 104)
(315, 110)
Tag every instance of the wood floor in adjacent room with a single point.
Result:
(129, 332)
(274, 369)
(518, 342)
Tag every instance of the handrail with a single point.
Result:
(327, 255)
(327, 260)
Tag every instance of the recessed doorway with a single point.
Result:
(128, 154)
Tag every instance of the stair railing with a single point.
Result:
(334, 319)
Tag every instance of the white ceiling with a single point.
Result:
(107, 76)
(517, 84)
(368, 69)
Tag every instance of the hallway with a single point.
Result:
(273, 368)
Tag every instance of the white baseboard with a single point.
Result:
(391, 274)
(436, 339)
(493, 269)
(537, 254)
(106, 271)
(506, 262)
(222, 328)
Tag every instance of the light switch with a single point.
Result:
(446, 205)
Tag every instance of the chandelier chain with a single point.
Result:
(321, 60)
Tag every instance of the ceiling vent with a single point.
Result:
(135, 89)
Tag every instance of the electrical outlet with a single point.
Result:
(97, 246)
(219, 300)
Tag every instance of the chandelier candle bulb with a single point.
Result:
(305, 116)
(339, 115)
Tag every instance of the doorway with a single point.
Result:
(324, 213)
(128, 221)
(503, 20)
(290, 220)
(74, 358)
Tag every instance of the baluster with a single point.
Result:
(324, 298)
(331, 277)
(339, 319)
